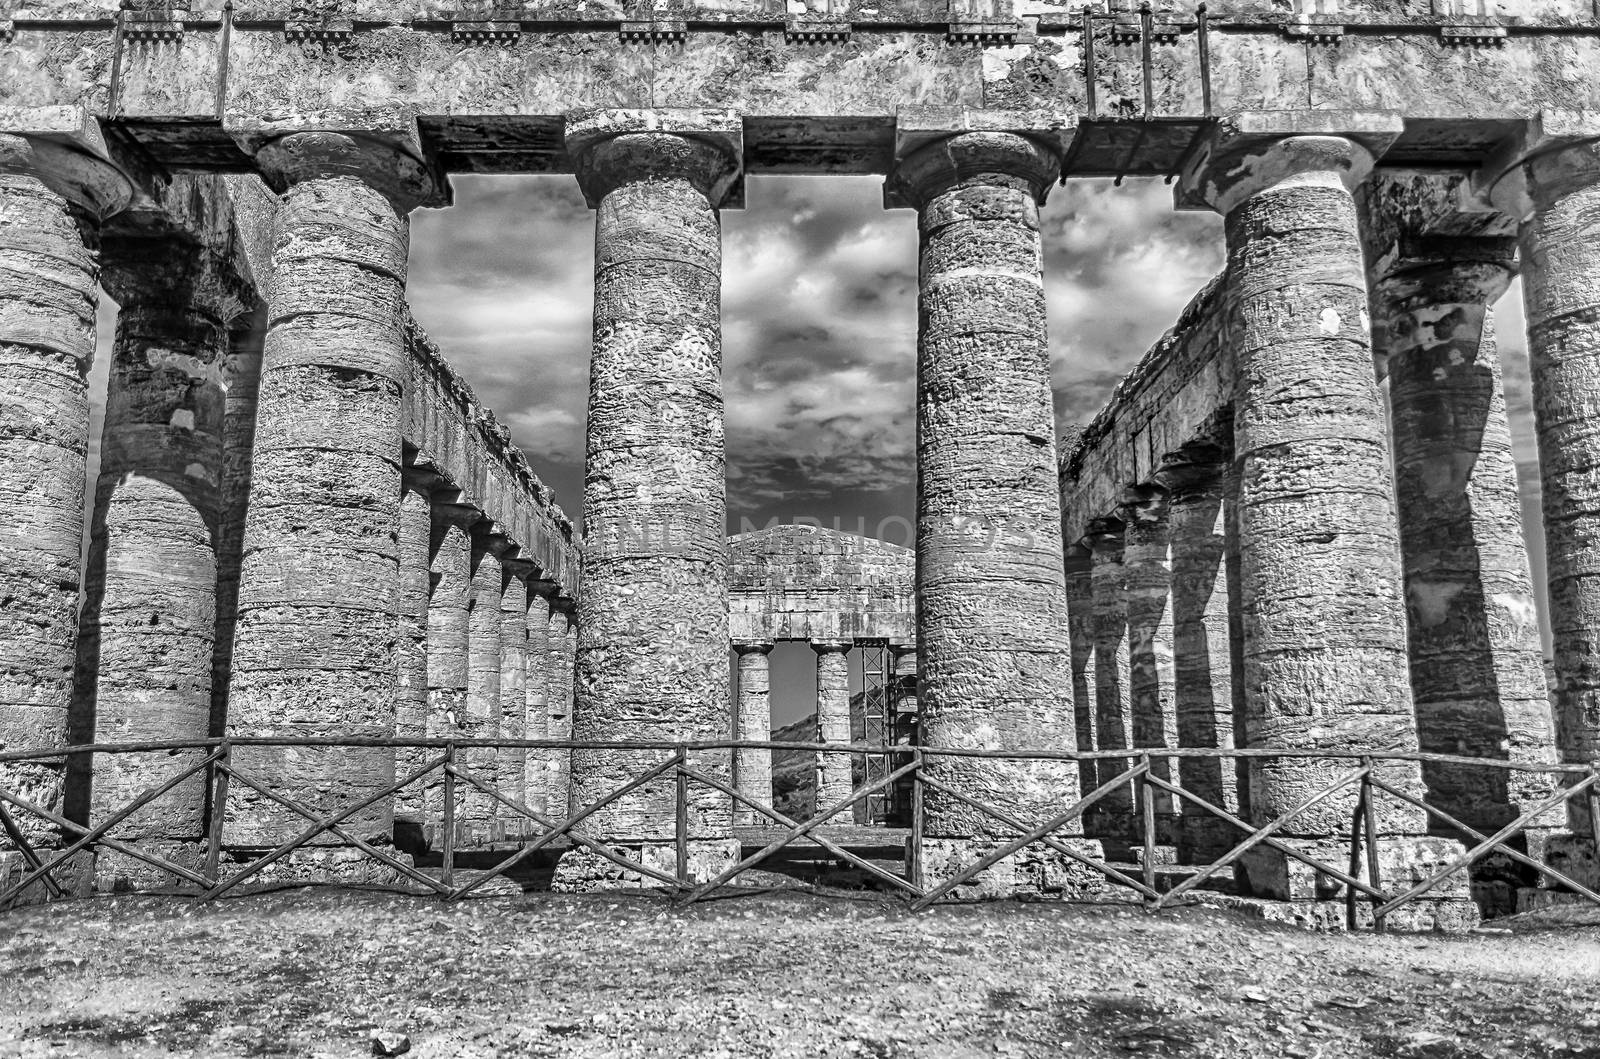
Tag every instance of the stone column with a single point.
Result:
(449, 632)
(752, 768)
(652, 659)
(991, 597)
(536, 704)
(1147, 588)
(315, 646)
(1549, 180)
(56, 186)
(906, 728)
(150, 608)
(511, 773)
(1085, 678)
(483, 682)
(834, 782)
(412, 592)
(1202, 660)
(1112, 816)
(562, 641)
(1477, 666)
(242, 386)
(1324, 617)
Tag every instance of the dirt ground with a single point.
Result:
(318, 972)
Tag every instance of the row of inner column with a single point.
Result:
(1323, 655)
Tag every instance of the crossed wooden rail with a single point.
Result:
(1139, 775)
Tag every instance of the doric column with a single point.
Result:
(314, 653)
(1203, 677)
(449, 632)
(991, 600)
(1548, 179)
(1147, 589)
(149, 617)
(511, 775)
(56, 186)
(752, 768)
(536, 708)
(1112, 816)
(1081, 631)
(906, 727)
(833, 723)
(1324, 617)
(560, 655)
(412, 592)
(483, 679)
(242, 384)
(1477, 667)
(652, 659)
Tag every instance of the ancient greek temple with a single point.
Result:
(1294, 528)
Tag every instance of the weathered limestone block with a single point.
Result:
(147, 637)
(1477, 670)
(511, 773)
(1549, 180)
(1325, 664)
(242, 386)
(412, 590)
(1202, 653)
(448, 632)
(807, 582)
(561, 661)
(653, 640)
(1085, 678)
(752, 767)
(1147, 586)
(991, 599)
(1112, 815)
(833, 723)
(315, 645)
(56, 186)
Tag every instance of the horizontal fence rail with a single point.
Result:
(450, 766)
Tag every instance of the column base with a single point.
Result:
(118, 873)
(1575, 857)
(75, 877)
(1032, 870)
(583, 871)
(1403, 861)
(317, 865)
(1422, 917)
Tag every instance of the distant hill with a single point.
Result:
(794, 772)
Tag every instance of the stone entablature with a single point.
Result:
(803, 582)
(448, 432)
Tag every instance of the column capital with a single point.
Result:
(1250, 152)
(63, 148)
(826, 647)
(1194, 469)
(943, 151)
(611, 148)
(752, 647)
(1442, 271)
(388, 156)
(1550, 156)
(161, 271)
(1143, 504)
(1104, 536)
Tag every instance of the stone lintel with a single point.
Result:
(382, 146)
(721, 179)
(918, 128)
(1241, 154)
(64, 147)
(1549, 155)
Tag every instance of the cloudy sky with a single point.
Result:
(819, 332)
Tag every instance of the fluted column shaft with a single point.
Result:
(449, 631)
(991, 598)
(1113, 729)
(561, 657)
(653, 639)
(412, 592)
(148, 626)
(510, 776)
(1081, 633)
(752, 768)
(1147, 585)
(1555, 192)
(317, 625)
(536, 703)
(1477, 667)
(833, 721)
(52, 199)
(1325, 664)
(1202, 654)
